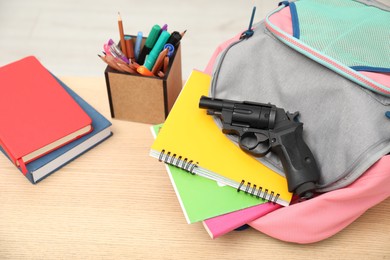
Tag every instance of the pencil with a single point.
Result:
(122, 35)
(159, 62)
(110, 62)
(165, 65)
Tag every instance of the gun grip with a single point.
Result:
(298, 161)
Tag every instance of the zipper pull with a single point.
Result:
(248, 33)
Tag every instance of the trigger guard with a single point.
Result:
(255, 143)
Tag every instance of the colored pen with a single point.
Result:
(159, 62)
(137, 48)
(149, 43)
(122, 35)
(115, 50)
(170, 48)
(176, 37)
(144, 71)
(129, 48)
(157, 48)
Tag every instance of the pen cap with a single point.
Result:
(175, 38)
(152, 37)
(151, 59)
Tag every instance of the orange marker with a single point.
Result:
(144, 71)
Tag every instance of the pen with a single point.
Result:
(137, 48)
(157, 48)
(159, 62)
(175, 38)
(116, 51)
(129, 47)
(121, 35)
(170, 48)
(149, 43)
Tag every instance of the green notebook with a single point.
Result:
(201, 198)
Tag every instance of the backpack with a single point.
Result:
(310, 56)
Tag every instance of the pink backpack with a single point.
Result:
(325, 215)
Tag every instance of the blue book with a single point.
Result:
(49, 163)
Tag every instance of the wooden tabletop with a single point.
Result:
(116, 202)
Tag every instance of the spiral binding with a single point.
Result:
(253, 190)
(177, 161)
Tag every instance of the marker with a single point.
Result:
(122, 35)
(156, 49)
(164, 27)
(176, 37)
(129, 47)
(144, 71)
(137, 48)
(149, 43)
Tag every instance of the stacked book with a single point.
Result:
(215, 181)
(44, 124)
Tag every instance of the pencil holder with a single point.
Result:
(143, 99)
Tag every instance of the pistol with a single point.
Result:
(262, 128)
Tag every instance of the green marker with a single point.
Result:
(158, 47)
(149, 43)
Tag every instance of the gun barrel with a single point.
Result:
(214, 103)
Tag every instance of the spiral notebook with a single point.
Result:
(190, 139)
(201, 198)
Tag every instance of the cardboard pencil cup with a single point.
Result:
(144, 99)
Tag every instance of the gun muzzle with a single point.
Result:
(214, 103)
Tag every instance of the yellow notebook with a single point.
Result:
(191, 140)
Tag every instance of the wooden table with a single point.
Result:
(116, 202)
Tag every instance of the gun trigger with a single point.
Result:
(255, 143)
(293, 116)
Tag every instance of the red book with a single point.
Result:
(36, 114)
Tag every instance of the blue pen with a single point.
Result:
(170, 48)
(137, 48)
